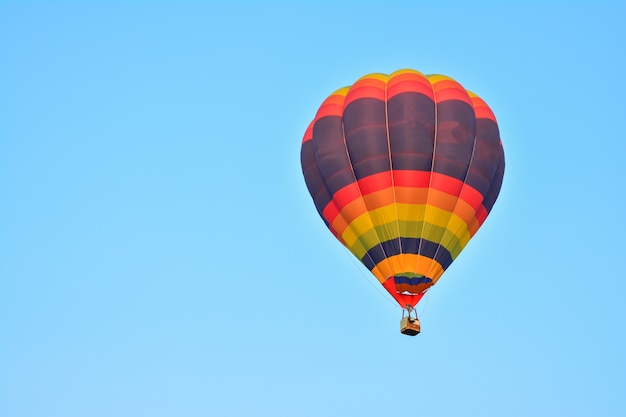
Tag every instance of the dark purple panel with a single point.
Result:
(313, 177)
(411, 131)
(409, 245)
(456, 130)
(330, 153)
(487, 154)
(365, 128)
(496, 184)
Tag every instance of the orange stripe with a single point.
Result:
(379, 199)
(478, 220)
(419, 265)
(412, 195)
(347, 214)
(464, 211)
(442, 200)
(473, 227)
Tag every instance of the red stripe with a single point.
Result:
(482, 110)
(376, 182)
(332, 106)
(334, 99)
(452, 94)
(481, 214)
(404, 178)
(340, 199)
(329, 109)
(330, 212)
(416, 179)
(404, 83)
(471, 196)
(357, 92)
(446, 184)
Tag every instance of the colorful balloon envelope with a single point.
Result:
(404, 169)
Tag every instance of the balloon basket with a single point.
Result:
(409, 326)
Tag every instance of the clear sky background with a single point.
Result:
(160, 255)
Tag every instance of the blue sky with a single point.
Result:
(160, 255)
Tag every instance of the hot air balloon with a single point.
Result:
(403, 170)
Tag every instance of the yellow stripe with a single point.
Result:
(405, 71)
(376, 75)
(433, 78)
(362, 226)
(343, 91)
(364, 233)
(410, 229)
